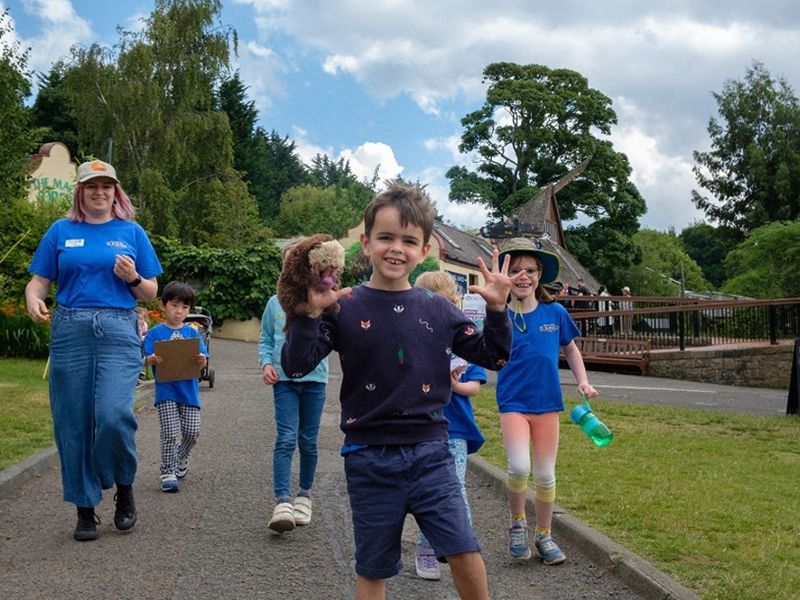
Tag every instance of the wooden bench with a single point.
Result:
(612, 351)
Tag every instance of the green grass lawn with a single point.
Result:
(25, 423)
(710, 498)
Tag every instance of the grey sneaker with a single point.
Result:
(426, 563)
(518, 541)
(548, 550)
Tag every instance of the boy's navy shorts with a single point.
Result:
(387, 482)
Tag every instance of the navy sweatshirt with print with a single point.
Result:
(395, 350)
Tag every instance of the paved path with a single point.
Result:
(211, 540)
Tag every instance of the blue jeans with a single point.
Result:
(298, 410)
(95, 359)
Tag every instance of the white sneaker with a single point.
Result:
(282, 518)
(302, 510)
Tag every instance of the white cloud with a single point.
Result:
(61, 29)
(664, 180)
(369, 155)
(363, 159)
(261, 70)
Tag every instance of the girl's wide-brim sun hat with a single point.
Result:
(550, 263)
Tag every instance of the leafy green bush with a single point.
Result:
(230, 283)
(21, 337)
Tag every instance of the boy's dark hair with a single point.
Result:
(411, 201)
(177, 290)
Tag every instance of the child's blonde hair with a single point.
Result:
(441, 283)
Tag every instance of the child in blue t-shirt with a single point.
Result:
(465, 436)
(178, 402)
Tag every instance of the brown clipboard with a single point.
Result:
(177, 360)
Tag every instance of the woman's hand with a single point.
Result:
(35, 293)
(125, 268)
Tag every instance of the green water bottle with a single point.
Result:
(593, 427)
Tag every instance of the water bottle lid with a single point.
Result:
(580, 411)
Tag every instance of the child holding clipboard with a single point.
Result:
(177, 396)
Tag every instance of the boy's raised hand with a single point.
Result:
(320, 300)
(498, 284)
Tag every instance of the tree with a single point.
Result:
(664, 263)
(268, 161)
(708, 246)
(536, 125)
(306, 210)
(52, 110)
(17, 140)
(154, 97)
(752, 172)
(767, 263)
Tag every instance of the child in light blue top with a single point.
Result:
(298, 411)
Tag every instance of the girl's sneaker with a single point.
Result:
(182, 469)
(169, 483)
(282, 518)
(301, 511)
(426, 563)
(549, 551)
(518, 541)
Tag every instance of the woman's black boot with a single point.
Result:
(86, 529)
(125, 513)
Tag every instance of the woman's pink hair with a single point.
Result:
(121, 209)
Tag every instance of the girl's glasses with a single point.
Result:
(528, 272)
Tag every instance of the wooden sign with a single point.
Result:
(177, 360)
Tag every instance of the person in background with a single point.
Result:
(102, 263)
(298, 410)
(626, 321)
(143, 326)
(177, 402)
(605, 324)
(529, 395)
(464, 433)
(563, 295)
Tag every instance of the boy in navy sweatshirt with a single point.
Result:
(394, 342)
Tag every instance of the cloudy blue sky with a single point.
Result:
(387, 81)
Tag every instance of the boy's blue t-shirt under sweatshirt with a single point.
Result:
(395, 350)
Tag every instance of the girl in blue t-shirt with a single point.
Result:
(464, 435)
(529, 394)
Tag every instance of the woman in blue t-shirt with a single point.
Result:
(529, 394)
(102, 263)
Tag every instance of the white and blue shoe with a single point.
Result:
(169, 483)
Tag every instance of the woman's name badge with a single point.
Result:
(73, 243)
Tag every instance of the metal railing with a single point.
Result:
(670, 322)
